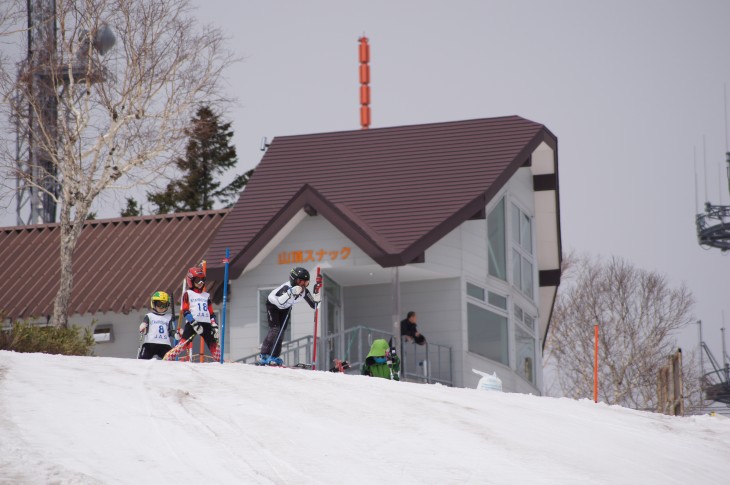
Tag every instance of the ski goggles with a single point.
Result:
(198, 282)
(380, 360)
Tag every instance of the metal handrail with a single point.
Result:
(291, 352)
(430, 363)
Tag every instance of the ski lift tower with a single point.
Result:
(713, 225)
(713, 231)
(42, 81)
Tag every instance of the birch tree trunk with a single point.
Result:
(103, 105)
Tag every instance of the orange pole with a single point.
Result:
(364, 51)
(595, 364)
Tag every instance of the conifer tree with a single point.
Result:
(132, 210)
(209, 154)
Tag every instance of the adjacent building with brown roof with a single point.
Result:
(118, 264)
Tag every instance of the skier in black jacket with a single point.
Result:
(278, 309)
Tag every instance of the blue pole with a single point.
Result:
(225, 299)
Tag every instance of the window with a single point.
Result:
(103, 333)
(525, 351)
(487, 333)
(522, 252)
(498, 300)
(525, 344)
(264, 319)
(497, 253)
(475, 291)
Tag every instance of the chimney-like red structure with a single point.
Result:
(364, 83)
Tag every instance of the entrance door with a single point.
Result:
(332, 325)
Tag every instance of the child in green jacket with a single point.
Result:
(381, 361)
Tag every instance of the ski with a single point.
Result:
(300, 365)
(340, 365)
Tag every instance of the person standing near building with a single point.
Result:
(278, 311)
(156, 328)
(409, 329)
(197, 309)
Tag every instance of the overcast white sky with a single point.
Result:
(631, 90)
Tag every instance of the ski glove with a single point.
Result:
(214, 331)
(197, 326)
(316, 297)
(295, 290)
(143, 328)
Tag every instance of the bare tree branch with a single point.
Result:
(118, 113)
(638, 315)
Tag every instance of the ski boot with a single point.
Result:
(264, 359)
(276, 361)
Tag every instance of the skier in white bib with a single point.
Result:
(156, 328)
(278, 309)
(197, 308)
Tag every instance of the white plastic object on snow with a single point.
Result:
(488, 382)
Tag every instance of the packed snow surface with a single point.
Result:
(92, 420)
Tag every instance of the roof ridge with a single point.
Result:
(412, 125)
(114, 220)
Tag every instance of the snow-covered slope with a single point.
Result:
(85, 420)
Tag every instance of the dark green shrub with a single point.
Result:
(47, 339)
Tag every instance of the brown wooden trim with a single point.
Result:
(549, 277)
(548, 181)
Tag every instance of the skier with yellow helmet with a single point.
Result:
(156, 328)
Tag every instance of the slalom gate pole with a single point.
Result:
(225, 299)
(201, 359)
(595, 363)
(316, 320)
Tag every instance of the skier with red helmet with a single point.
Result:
(197, 309)
(278, 310)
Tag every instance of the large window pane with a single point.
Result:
(264, 319)
(496, 238)
(526, 233)
(515, 224)
(525, 351)
(487, 334)
(526, 277)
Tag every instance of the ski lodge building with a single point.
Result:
(457, 221)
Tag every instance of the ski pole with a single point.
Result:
(281, 331)
(225, 298)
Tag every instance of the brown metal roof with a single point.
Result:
(118, 263)
(393, 191)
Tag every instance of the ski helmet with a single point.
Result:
(161, 299)
(298, 273)
(194, 274)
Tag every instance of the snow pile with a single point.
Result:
(86, 420)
